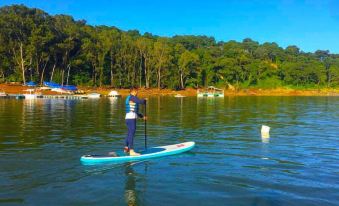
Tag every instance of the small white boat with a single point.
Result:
(44, 88)
(32, 94)
(179, 96)
(94, 95)
(210, 92)
(114, 93)
(3, 94)
(61, 91)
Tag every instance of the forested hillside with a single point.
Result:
(37, 46)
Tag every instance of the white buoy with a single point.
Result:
(265, 132)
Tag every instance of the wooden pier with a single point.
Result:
(67, 96)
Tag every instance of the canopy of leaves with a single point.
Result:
(37, 46)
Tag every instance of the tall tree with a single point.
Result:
(187, 62)
(69, 44)
(162, 56)
(145, 47)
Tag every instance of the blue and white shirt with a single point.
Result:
(132, 107)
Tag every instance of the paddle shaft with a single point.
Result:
(145, 110)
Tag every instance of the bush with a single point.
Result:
(269, 83)
(82, 79)
(14, 78)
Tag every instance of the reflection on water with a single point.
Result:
(265, 138)
(130, 192)
(42, 140)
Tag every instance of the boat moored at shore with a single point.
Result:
(114, 94)
(210, 92)
(33, 94)
(3, 94)
(94, 95)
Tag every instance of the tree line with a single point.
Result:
(36, 46)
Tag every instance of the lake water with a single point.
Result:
(41, 143)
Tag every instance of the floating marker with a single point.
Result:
(265, 132)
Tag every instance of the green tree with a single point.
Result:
(144, 47)
(187, 62)
(162, 57)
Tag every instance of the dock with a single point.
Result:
(68, 96)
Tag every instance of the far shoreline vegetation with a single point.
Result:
(35, 46)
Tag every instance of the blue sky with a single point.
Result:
(309, 24)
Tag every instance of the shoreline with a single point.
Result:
(18, 89)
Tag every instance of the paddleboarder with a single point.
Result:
(132, 113)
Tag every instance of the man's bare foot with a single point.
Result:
(126, 149)
(132, 153)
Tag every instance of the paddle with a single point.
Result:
(145, 126)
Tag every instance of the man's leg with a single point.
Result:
(131, 125)
(126, 149)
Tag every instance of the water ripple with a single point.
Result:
(41, 142)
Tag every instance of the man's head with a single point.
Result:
(133, 91)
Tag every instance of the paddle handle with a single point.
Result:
(145, 121)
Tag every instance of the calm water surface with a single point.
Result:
(41, 142)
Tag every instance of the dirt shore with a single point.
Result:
(18, 89)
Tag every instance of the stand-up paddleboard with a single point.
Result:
(153, 152)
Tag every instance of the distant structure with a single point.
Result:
(114, 93)
(210, 92)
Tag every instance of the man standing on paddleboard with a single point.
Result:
(132, 113)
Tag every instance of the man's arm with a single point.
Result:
(137, 100)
